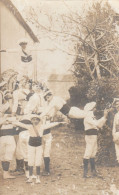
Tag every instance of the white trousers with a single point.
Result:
(22, 146)
(7, 148)
(91, 146)
(25, 69)
(35, 155)
(117, 151)
(47, 141)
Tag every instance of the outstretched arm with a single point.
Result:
(19, 124)
(51, 125)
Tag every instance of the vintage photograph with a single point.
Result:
(59, 97)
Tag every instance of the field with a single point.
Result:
(66, 171)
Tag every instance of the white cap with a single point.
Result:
(3, 83)
(90, 106)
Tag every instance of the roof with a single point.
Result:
(19, 17)
(61, 78)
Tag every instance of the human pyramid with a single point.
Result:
(26, 122)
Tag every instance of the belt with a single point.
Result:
(12, 132)
(91, 132)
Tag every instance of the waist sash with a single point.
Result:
(11, 132)
(91, 132)
(35, 141)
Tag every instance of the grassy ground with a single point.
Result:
(66, 171)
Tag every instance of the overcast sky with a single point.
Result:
(57, 61)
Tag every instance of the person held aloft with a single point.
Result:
(25, 61)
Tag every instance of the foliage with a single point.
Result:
(97, 69)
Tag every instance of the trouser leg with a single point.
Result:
(117, 151)
(38, 170)
(92, 164)
(19, 167)
(5, 165)
(30, 170)
(85, 163)
(47, 164)
(26, 165)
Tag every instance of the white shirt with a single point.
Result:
(35, 104)
(18, 95)
(90, 121)
(56, 103)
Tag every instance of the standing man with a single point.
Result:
(91, 125)
(7, 148)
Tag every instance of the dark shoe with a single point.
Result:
(46, 173)
(96, 174)
(19, 172)
(13, 171)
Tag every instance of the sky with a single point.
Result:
(56, 60)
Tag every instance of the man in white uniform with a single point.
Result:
(7, 148)
(91, 126)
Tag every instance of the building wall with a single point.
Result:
(60, 88)
(11, 32)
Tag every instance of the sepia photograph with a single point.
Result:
(59, 97)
